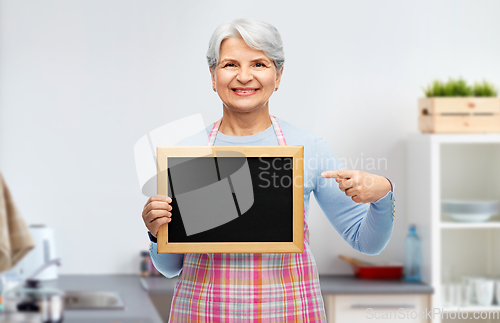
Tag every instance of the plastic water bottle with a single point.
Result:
(413, 262)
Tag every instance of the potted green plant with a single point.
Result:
(457, 107)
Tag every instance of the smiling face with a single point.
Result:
(245, 78)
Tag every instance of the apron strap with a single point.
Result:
(276, 127)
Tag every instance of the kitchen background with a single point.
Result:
(82, 81)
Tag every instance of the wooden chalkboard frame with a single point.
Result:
(297, 155)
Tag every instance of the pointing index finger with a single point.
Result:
(342, 173)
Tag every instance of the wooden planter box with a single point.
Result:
(459, 115)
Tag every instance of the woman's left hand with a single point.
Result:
(360, 186)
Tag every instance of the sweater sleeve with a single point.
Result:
(365, 227)
(169, 265)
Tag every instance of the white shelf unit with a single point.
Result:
(487, 225)
(454, 166)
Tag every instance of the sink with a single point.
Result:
(92, 300)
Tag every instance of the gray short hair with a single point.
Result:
(257, 34)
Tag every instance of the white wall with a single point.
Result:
(81, 81)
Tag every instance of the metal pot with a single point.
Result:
(32, 298)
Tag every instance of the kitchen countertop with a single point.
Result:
(138, 306)
(134, 291)
(330, 284)
(349, 284)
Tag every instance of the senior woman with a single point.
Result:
(245, 57)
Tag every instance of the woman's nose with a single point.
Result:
(244, 75)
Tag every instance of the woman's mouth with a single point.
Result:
(244, 91)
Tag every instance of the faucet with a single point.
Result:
(56, 261)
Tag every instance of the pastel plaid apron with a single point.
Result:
(252, 287)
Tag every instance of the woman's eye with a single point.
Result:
(229, 65)
(259, 65)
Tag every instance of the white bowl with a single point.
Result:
(470, 210)
(470, 217)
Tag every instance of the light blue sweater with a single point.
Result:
(365, 227)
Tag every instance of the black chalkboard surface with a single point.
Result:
(232, 199)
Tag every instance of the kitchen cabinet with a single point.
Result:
(453, 166)
(377, 308)
(349, 299)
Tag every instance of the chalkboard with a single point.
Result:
(232, 199)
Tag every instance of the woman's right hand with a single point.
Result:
(156, 213)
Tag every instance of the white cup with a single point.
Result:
(470, 289)
(445, 295)
(454, 295)
(468, 295)
(497, 291)
(451, 295)
(484, 289)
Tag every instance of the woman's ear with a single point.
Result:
(278, 76)
(212, 75)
